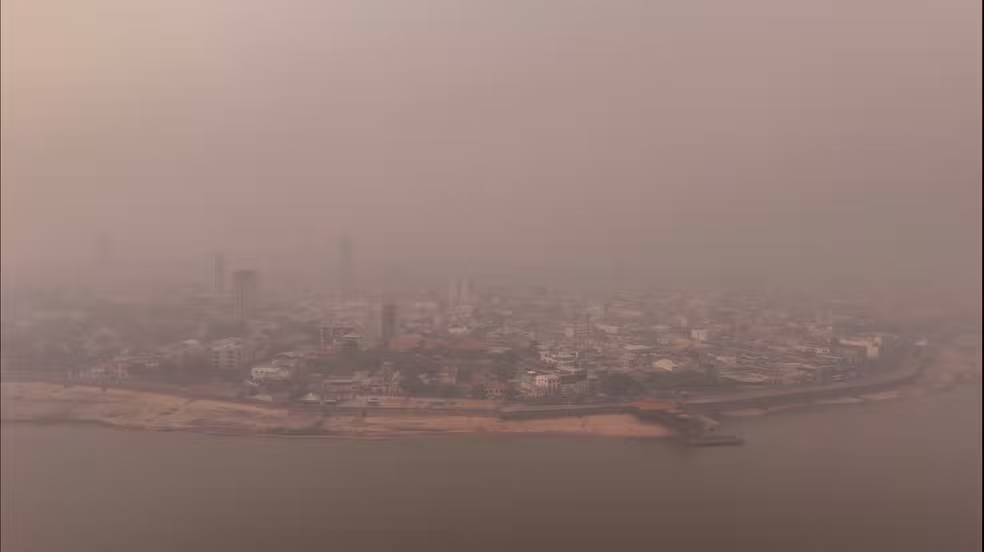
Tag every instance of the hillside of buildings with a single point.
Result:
(245, 356)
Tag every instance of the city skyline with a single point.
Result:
(505, 275)
(858, 160)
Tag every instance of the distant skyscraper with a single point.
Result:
(460, 291)
(388, 323)
(217, 273)
(346, 268)
(245, 284)
(326, 335)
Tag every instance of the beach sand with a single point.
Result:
(51, 403)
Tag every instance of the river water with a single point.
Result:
(895, 475)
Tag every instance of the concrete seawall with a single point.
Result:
(389, 411)
(910, 369)
(767, 397)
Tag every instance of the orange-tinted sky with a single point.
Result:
(764, 136)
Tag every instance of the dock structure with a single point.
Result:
(675, 416)
(669, 413)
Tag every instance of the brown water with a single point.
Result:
(897, 475)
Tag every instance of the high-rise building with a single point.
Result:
(326, 336)
(460, 291)
(217, 273)
(346, 268)
(331, 334)
(245, 284)
(388, 323)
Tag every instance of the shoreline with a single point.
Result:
(47, 403)
(382, 427)
(50, 404)
(953, 367)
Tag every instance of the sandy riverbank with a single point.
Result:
(124, 409)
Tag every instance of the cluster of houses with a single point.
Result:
(536, 345)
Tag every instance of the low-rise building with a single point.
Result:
(229, 354)
(105, 371)
(386, 383)
(496, 390)
(560, 359)
(547, 383)
(871, 344)
(138, 362)
(448, 375)
(608, 329)
(813, 347)
(270, 371)
(699, 334)
(574, 384)
(339, 388)
(578, 330)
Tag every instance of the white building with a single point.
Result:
(228, 354)
(549, 384)
(813, 347)
(535, 384)
(698, 334)
(608, 329)
(270, 372)
(578, 330)
(562, 360)
(189, 352)
(871, 344)
(106, 371)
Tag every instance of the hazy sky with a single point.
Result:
(687, 136)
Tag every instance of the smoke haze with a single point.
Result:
(768, 138)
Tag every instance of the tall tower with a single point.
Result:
(388, 323)
(454, 292)
(346, 268)
(326, 335)
(460, 291)
(217, 273)
(244, 288)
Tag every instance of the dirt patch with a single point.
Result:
(43, 402)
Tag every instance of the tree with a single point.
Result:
(414, 386)
(479, 391)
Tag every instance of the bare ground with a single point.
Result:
(51, 403)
